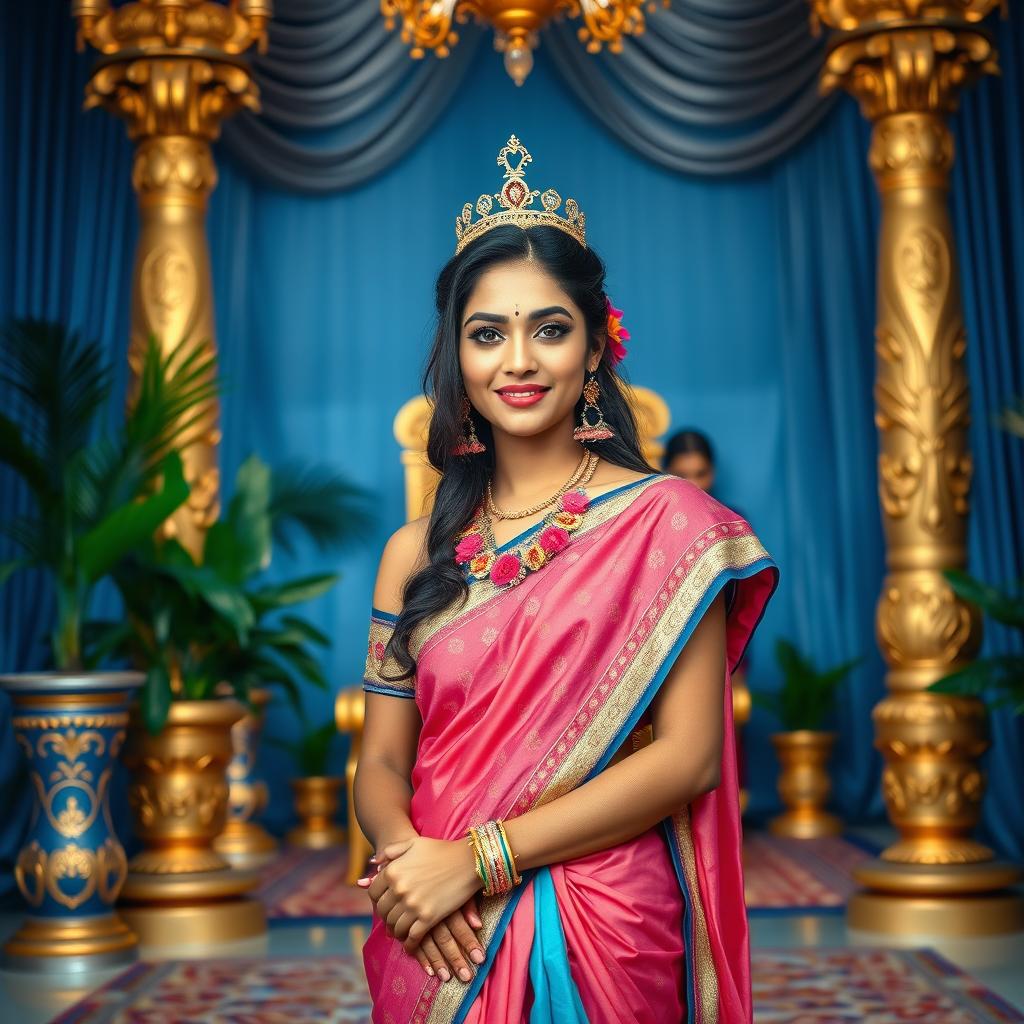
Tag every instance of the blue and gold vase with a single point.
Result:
(72, 866)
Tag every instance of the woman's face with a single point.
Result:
(694, 467)
(520, 332)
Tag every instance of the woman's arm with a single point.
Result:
(426, 876)
(383, 788)
(682, 763)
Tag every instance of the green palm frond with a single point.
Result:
(65, 380)
(807, 695)
(317, 501)
(171, 402)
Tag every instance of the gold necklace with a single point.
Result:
(586, 467)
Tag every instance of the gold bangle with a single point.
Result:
(516, 877)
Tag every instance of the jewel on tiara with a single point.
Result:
(514, 197)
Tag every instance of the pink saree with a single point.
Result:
(526, 693)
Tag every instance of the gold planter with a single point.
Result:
(179, 890)
(245, 843)
(804, 785)
(316, 803)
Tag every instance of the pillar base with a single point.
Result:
(998, 913)
(196, 908)
(59, 947)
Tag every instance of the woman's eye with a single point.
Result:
(488, 335)
(553, 331)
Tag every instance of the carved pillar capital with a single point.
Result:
(173, 70)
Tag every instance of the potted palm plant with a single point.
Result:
(94, 499)
(802, 704)
(199, 629)
(316, 792)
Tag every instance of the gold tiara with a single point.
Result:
(514, 197)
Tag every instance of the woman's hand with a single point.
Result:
(445, 949)
(424, 882)
(450, 944)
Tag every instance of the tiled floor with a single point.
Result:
(28, 999)
(997, 962)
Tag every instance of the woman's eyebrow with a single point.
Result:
(548, 310)
(494, 318)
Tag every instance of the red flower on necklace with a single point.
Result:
(470, 545)
(576, 502)
(505, 569)
(617, 334)
(553, 539)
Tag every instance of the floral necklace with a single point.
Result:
(476, 549)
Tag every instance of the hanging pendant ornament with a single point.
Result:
(469, 443)
(587, 431)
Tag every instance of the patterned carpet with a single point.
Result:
(781, 874)
(310, 884)
(859, 986)
(799, 874)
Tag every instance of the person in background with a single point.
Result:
(689, 455)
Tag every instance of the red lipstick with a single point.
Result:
(520, 395)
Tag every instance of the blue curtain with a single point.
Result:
(750, 301)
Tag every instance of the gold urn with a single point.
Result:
(804, 785)
(179, 890)
(316, 804)
(244, 842)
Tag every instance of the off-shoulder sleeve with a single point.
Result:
(382, 626)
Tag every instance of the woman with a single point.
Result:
(547, 771)
(689, 455)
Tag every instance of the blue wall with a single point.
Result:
(750, 301)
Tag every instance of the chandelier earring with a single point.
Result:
(469, 443)
(585, 430)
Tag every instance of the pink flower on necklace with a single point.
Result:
(553, 539)
(617, 334)
(505, 569)
(470, 545)
(575, 501)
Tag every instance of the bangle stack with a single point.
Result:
(495, 862)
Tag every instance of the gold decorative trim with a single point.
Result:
(619, 698)
(705, 983)
(480, 592)
(725, 553)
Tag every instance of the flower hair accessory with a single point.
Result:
(617, 334)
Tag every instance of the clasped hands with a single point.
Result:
(424, 891)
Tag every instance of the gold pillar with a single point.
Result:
(905, 61)
(173, 70)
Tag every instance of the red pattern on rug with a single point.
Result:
(798, 873)
(311, 883)
(797, 986)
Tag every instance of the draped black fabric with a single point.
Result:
(341, 98)
(711, 88)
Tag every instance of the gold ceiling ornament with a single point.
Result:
(906, 61)
(173, 70)
(514, 198)
(429, 24)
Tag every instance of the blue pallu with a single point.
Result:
(556, 1000)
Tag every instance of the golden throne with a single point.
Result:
(410, 428)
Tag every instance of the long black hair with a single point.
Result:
(580, 272)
